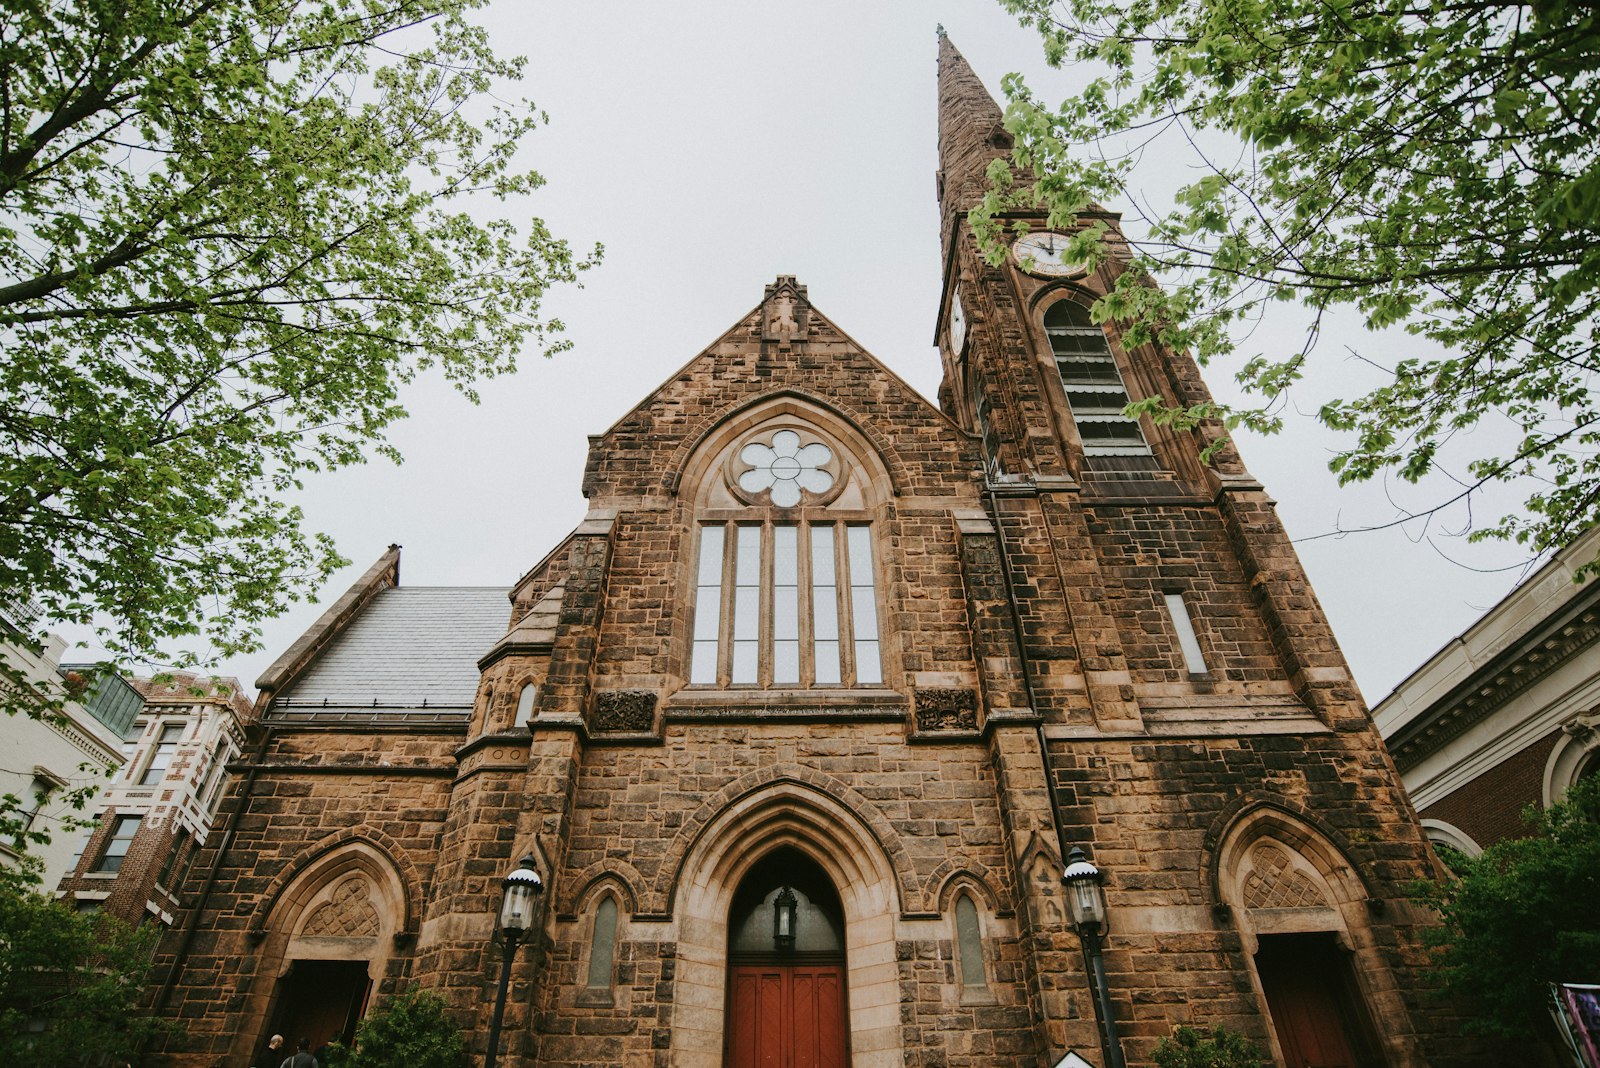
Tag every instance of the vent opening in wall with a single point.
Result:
(1093, 384)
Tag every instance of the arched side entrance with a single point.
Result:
(786, 817)
(328, 940)
(1303, 914)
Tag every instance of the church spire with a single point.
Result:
(971, 134)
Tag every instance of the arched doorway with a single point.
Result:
(786, 967)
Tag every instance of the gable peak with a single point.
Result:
(785, 309)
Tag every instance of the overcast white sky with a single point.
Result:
(712, 145)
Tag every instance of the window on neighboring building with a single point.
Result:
(1094, 386)
(216, 778)
(786, 604)
(166, 746)
(180, 842)
(122, 832)
(33, 799)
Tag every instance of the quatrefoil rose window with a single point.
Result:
(786, 467)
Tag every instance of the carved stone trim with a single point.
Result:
(624, 710)
(946, 709)
(785, 311)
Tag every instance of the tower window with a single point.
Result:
(986, 432)
(1094, 386)
(786, 605)
(1178, 612)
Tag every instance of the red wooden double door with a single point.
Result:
(787, 1016)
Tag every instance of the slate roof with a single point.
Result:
(412, 649)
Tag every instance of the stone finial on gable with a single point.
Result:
(784, 311)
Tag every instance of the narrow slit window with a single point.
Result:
(525, 702)
(747, 608)
(1093, 384)
(825, 605)
(708, 607)
(603, 946)
(969, 944)
(1193, 658)
(864, 607)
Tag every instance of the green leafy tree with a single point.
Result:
(70, 983)
(230, 231)
(1521, 916)
(1433, 165)
(413, 1029)
(1220, 1048)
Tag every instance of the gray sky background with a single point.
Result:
(714, 145)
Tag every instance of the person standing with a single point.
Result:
(271, 1054)
(302, 1057)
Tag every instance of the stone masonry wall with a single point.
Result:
(312, 786)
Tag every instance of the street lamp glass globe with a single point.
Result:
(516, 906)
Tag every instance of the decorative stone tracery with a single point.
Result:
(1274, 884)
(347, 914)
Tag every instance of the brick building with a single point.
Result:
(155, 815)
(819, 640)
(1507, 714)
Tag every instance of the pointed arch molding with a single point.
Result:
(957, 874)
(1257, 815)
(860, 854)
(819, 808)
(617, 875)
(364, 844)
(873, 449)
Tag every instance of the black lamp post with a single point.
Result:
(1086, 897)
(515, 924)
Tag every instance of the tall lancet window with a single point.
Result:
(785, 585)
(1094, 386)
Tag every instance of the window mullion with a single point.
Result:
(808, 659)
(841, 589)
(767, 600)
(730, 549)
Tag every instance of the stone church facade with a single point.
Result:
(820, 638)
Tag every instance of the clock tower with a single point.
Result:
(1202, 734)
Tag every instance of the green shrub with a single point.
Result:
(413, 1029)
(1222, 1048)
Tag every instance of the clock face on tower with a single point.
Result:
(1045, 252)
(958, 323)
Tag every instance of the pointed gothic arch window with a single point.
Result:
(525, 702)
(1095, 390)
(786, 588)
(969, 947)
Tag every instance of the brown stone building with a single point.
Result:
(819, 639)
